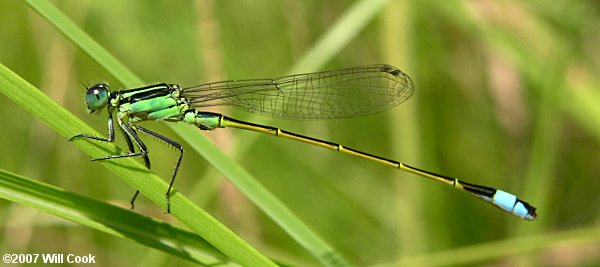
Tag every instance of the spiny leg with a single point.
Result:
(126, 135)
(131, 148)
(172, 143)
(132, 201)
(146, 162)
(111, 133)
(131, 133)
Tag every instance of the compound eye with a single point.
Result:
(96, 97)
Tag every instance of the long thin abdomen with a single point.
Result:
(499, 198)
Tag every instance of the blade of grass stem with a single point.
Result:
(109, 219)
(132, 171)
(264, 199)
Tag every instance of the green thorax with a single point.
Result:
(155, 102)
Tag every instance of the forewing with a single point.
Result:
(331, 94)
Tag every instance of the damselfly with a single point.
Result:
(342, 93)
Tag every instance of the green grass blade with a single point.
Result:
(263, 198)
(84, 41)
(109, 219)
(133, 172)
(340, 34)
(327, 46)
(503, 248)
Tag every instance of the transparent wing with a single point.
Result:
(331, 94)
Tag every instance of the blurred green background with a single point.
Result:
(507, 95)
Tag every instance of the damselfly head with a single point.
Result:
(96, 97)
